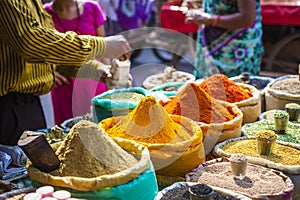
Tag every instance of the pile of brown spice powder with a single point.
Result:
(88, 152)
(258, 180)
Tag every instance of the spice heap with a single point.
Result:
(292, 133)
(88, 152)
(194, 103)
(124, 96)
(265, 134)
(259, 180)
(282, 154)
(222, 88)
(289, 85)
(182, 192)
(148, 122)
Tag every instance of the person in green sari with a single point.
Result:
(229, 39)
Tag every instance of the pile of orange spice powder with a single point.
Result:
(193, 102)
(221, 87)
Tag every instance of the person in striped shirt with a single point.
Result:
(31, 49)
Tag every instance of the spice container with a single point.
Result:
(38, 150)
(238, 165)
(281, 121)
(117, 102)
(293, 109)
(120, 74)
(282, 90)
(201, 192)
(265, 140)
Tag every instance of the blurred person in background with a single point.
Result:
(109, 7)
(72, 96)
(31, 49)
(229, 39)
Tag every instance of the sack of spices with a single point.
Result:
(259, 82)
(251, 107)
(219, 120)
(180, 190)
(92, 161)
(245, 96)
(283, 90)
(284, 157)
(174, 142)
(258, 183)
(116, 102)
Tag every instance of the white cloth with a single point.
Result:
(47, 106)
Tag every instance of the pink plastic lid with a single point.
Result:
(32, 196)
(45, 191)
(62, 194)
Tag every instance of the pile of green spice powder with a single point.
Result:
(292, 133)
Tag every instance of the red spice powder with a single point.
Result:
(193, 102)
(222, 88)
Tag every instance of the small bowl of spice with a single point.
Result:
(265, 140)
(238, 165)
(201, 192)
(281, 121)
(293, 109)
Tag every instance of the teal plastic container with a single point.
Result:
(169, 89)
(117, 102)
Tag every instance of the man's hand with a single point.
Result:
(104, 72)
(117, 47)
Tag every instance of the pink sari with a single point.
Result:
(75, 99)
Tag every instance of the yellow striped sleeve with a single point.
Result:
(36, 43)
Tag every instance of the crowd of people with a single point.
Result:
(65, 47)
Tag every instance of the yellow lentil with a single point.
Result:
(280, 154)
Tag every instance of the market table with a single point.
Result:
(286, 14)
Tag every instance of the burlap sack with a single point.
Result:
(173, 159)
(251, 107)
(162, 193)
(290, 169)
(101, 182)
(260, 82)
(276, 99)
(285, 194)
(218, 132)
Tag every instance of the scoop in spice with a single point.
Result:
(238, 165)
(266, 134)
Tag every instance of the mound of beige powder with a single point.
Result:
(88, 152)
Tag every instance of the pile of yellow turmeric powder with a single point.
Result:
(148, 122)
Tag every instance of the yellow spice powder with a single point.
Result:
(150, 123)
(280, 154)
